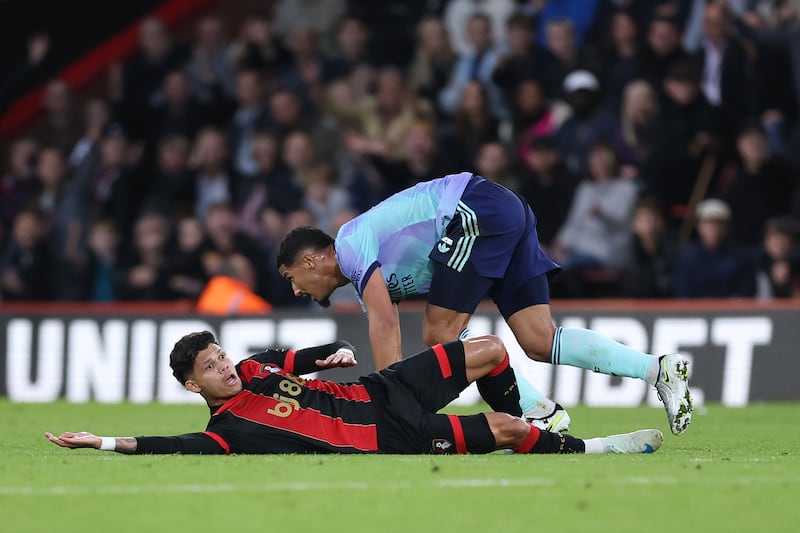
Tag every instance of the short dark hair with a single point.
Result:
(183, 355)
(299, 240)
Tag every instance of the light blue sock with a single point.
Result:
(531, 400)
(590, 350)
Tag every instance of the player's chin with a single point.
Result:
(324, 302)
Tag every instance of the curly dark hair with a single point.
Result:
(299, 240)
(182, 357)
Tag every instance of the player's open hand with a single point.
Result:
(83, 439)
(341, 358)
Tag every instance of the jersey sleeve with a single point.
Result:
(357, 253)
(297, 362)
(188, 443)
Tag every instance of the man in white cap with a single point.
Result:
(589, 123)
(714, 266)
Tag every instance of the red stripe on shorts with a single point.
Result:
(458, 434)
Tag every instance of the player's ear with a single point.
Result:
(309, 260)
(191, 386)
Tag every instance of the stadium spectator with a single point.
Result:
(471, 125)
(299, 158)
(309, 69)
(26, 265)
(184, 272)
(26, 73)
(142, 77)
(97, 118)
(562, 44)
(589, 122)
(224, 240)
(694, 35)
(58, 204)
(548, 186)
(520, 60)
(775, 28)
(534, 116)
(383, 120)
(19, 186)
(714, 266)
(476, 65)
(650, 268)
(492, 162)
(393, 412)
(249, 116)
(662, 49)
(172, 189)
(685, 137)
(353, 46)
(59, 127)
(777, 261)
(433, 59)
(579, 14)
(457, 14)
(636, 130)
(106, 186)
(142, 275)
(288, 113)
(597, 231)
(322, 17)
(421, 159)
(178, 112)
(617, 56)
(761, 188)
(101, 269)
(325, 199)
(268, 187)
(258, 47)
(214, 179)
(727, 72)
(211, 69)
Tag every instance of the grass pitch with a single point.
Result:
(734, 470)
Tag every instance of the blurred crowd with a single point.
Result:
(656, 140)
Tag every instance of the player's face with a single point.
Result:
(309, 280)
(214, 374)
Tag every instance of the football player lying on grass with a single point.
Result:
(261, 406)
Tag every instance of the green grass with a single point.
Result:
(734, 470)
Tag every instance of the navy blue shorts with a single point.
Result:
(490, 248)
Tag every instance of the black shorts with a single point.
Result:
(407, 396)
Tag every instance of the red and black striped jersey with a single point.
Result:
(279, 412)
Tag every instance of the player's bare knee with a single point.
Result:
(487, 351)
(495, 348)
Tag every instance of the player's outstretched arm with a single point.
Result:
(84, 439)
(190, 443)
(384, 322)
